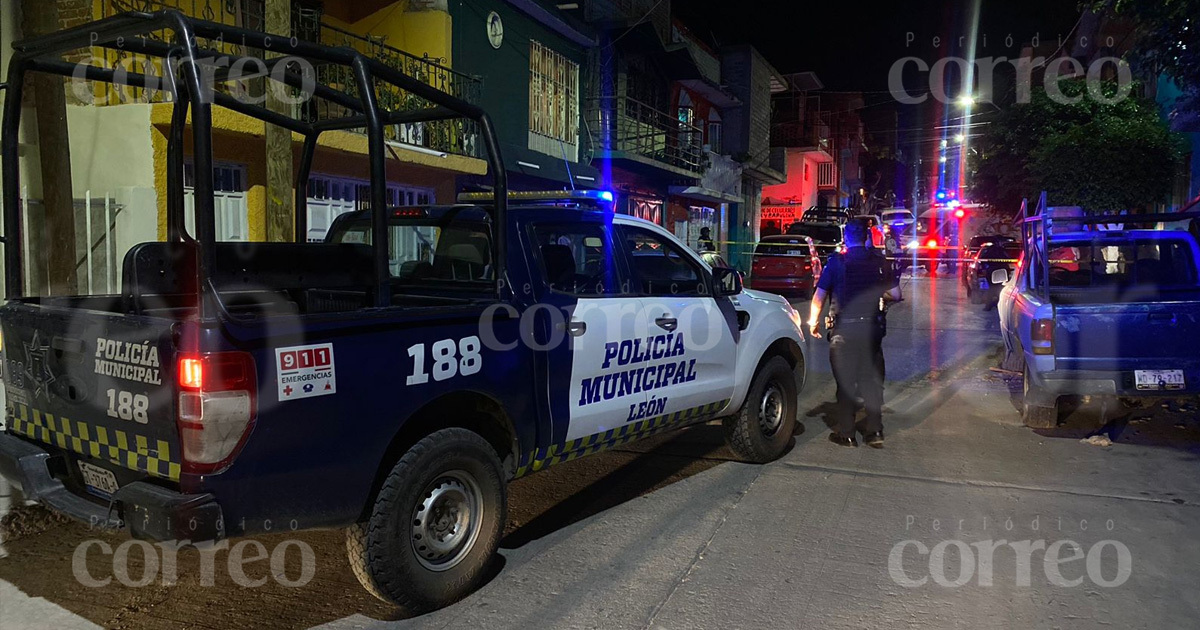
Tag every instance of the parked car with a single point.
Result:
(826, 237)
(786, 265)
(897, 217)
(974, 244)
(980, 275)
(1078, 321)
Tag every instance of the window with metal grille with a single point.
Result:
(330, 197)
(553, 102)
(827, 175)
(230, 206)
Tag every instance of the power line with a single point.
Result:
(635, 24)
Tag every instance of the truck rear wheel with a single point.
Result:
(435, 524)
(1037, 416)
(762, 428)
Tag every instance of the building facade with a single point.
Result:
(535, 59)
(118, 135)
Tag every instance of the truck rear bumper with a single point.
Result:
(148, 511)
(1104, 383)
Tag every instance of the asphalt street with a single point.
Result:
(1020, 528)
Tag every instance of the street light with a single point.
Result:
(959, 138)
(966, 100)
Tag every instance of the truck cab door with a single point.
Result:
(589, 312)
(691, 337)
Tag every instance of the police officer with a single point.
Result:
(706, 243)
(860, 280)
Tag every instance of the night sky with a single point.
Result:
(852, 44)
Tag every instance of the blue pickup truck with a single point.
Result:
(391, 380)
(1112, 312)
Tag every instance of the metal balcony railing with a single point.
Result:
(812, 132)
(450, 136)
(621, 124)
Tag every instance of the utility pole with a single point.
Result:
(54, 149)
(280, 206)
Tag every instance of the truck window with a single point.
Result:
(425, 253)
(660, 266)
(1124, 271)
(577, 259)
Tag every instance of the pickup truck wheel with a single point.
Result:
(762, 428)
(1037, 416)
(435, 524)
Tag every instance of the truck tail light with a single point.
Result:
(217, 407)
(1042, 336)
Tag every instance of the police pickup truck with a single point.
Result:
(390, 380)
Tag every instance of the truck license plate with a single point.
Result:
(98, 479)
(1159, 380)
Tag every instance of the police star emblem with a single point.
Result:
(37, 365)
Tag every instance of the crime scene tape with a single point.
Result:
(906, 257)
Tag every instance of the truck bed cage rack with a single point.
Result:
(1035, 230)
(194, 91)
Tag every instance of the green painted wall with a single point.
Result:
(505, 71)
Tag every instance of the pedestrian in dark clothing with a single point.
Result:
(706, 243)
(859, 281)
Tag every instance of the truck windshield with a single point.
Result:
(424, 252)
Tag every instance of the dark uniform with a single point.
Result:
(857, 281)
(705, 242)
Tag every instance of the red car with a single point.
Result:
(786, 265)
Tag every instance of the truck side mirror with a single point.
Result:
(728, 281)
(1000, 276)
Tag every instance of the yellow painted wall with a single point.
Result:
(419, 33)
(238, 139)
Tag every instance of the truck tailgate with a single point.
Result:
(1128, 336)
(98, 385)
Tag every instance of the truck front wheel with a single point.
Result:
(435, 524)
(763, 427)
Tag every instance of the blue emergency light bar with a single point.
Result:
(593, 197)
